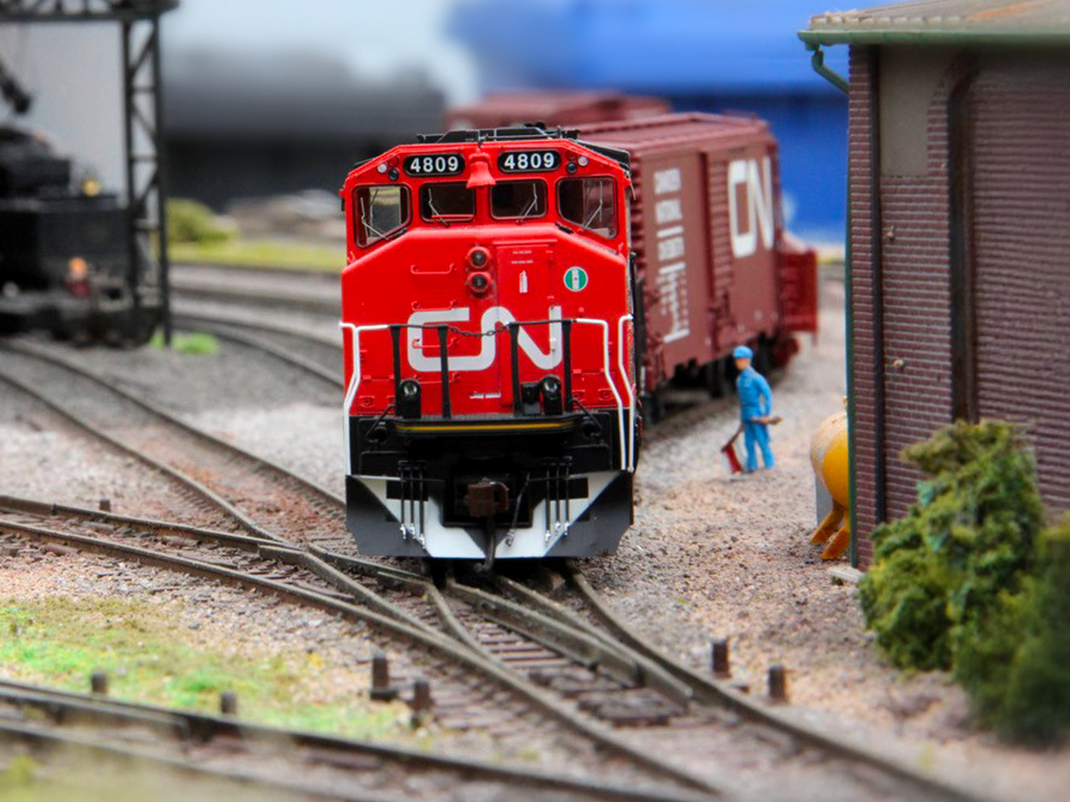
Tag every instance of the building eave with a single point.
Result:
(823, 37)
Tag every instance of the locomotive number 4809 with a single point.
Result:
(528, 161)
(435, 164)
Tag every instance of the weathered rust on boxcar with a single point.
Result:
(554, 108)
(707, 229)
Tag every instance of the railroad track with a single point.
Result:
(283, 763)
(478, 692)
(316, 354)
(576, 661)
(305, 292)
(849, 770)
(260, 496)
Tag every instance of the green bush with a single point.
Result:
(190, 221)
(939, 572)
(969, 581)
(1035, 704)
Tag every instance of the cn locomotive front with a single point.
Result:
(490, 367)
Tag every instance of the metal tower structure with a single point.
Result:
(146, 184)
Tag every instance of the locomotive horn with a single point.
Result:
(480, 175)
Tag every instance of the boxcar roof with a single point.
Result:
(671, 130)
(932, 22)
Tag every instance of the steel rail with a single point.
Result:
(200, 289)
(230, 330)
(98, 749)
(182, 478)
(654, 669)
(720, 693)
(266, 327)
(36, 351)
(200, 728)
(293, 483)
(397, 625)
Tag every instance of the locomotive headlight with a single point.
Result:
(408, 400)
(382, 168)
(478, 257)
(479, 283)
(77, 269)
(584, 161)
(550, 392)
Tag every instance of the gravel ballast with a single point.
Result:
(710, 556)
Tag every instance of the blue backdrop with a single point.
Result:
(701, 55)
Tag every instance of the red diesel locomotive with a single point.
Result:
(494, 350)
(490, 367)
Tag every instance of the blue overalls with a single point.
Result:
(755, 400)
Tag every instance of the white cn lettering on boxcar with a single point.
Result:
(754, 186)
(672, 269)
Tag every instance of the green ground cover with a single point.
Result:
(261, 253)
(60, 642)
(196, 343)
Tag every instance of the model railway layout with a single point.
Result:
(565, 659)
(462, 517)
(495, 392)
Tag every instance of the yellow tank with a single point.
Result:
(830, 458)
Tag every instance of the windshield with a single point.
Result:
(447, 202)
(518, 200)
(380, 211)
(590, 203)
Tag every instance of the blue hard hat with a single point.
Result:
(743, 352)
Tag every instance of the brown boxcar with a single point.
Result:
(715, 266)
(555, 108)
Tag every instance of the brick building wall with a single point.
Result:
(900, 294)
(864, 388)
(960, 226)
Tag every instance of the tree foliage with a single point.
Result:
(190, 221)
(939, 570)
(1036, 703)
(968, 581)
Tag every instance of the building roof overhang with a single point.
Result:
(996, 23)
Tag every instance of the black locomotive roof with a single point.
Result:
(529, 132)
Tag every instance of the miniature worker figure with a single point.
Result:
(755, 409)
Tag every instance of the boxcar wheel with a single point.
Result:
(713, 374)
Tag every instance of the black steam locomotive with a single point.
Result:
(64, 250)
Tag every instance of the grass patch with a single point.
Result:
(150, 656)
(198, 343)
(262, 253)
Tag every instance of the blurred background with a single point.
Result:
(268, 103)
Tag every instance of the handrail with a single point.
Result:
(354, 381)
(626, 445)
(612, 385)
(628, 387)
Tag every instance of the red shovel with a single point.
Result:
(729, 448)
(729, 451)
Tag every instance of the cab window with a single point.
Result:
(518, 200)
(447, 202)
(379, 212)
(590, 203)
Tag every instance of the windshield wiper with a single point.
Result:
(436, 215)
(531, 206)
(368, 227)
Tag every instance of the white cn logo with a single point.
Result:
(495, 317)
(755, 188)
